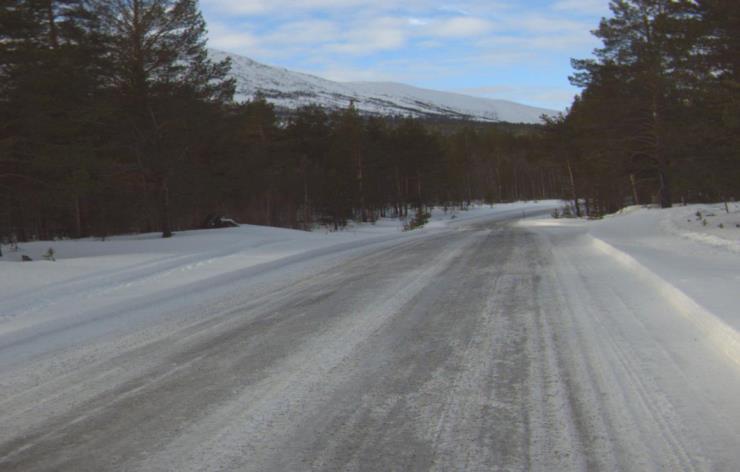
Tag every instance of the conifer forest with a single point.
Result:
(114, 120)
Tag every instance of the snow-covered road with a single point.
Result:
(477, 346)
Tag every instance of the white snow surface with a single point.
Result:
(135, 277)
(288, 89)
(693, 267)
(696, 266)
(600, 345)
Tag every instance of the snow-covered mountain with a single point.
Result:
(288, 89)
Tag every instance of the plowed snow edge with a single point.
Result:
(722, 336)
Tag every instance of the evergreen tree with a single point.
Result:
(51, 86)
(715, 104)
(163, 77)
(307, 137)
(645, 45)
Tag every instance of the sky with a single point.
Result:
(518, 50)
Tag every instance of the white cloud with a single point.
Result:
(454, 10)
(460, 27)
(422, 41)
(431, 44)
(307, 32)
(238, 7)
(547, 24)
(418, 21)
(503, 57)
(380, 35)
(597, 7)
(287, 7)
(223, 37)
(540, 43)
(367, 28)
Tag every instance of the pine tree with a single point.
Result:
(162, 75)
(645, 44)
(307, 136)
(50, 83)
(348, 144)
(715, 107)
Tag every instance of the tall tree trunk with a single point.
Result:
(53, 36)
(399, 199)
(165, 209)
(542, 185)
(468, 189)
(20, 222)
(666, 200)
(634, 189)
(573, 193)
(78, 218)
(418, 189)
(361, 184)
(306, 205)
(664, 192)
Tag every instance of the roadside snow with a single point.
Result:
(693, 266)
(709, 224)
(137, 277)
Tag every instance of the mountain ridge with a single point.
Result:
(289, 90)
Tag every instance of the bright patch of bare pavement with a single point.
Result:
(478, 343)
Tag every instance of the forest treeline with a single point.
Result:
(114, 120)
(658, 120)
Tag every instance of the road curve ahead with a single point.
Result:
(486, 347)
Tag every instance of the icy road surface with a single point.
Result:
(482, 346)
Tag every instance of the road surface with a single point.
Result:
(484, 347)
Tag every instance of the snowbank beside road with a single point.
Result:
(708, 224)
(719, 333)
(694, 266)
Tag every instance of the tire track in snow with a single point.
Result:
(210, 388)
(636, 390)
(112, 316)
(476, 349)
(76, 375)
(526, 426)
(250, 425)
(723, 336)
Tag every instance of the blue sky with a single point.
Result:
(516, 50)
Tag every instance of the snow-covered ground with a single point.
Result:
(145, 274)
(686, 255)
(716, 224)
(653, 300)
(549, 344)
(695, 265)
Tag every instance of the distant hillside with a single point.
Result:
(288, 89)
